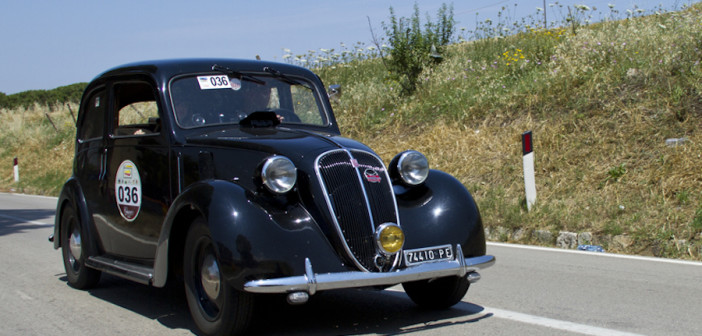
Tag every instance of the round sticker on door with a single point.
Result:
(128, 190)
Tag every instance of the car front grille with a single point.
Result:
(359, 195)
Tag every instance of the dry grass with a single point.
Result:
(593, 177)
(45, 153)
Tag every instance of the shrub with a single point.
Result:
(412, 48)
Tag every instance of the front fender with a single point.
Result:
(254, 239)
(440, 211)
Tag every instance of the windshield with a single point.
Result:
(212, 99)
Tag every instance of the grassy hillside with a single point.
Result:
(600, 99)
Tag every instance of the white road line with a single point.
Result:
(601, 254)
(555, 324)
(542, 321)
(29, 195)
(22, 220)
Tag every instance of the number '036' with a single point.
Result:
(128, 195)
(219, 81)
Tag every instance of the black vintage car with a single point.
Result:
(232, 177)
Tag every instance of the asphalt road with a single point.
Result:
(530, 291)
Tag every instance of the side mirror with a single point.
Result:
(334, 92)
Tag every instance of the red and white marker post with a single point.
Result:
(528, 164)
(16, 170)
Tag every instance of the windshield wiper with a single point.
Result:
(284, 77)
(233, 73)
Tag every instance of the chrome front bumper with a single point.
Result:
(311, 282)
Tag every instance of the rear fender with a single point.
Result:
(72, 196)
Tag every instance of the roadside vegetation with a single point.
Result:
(604, 101)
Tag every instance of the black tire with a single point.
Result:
(216, 307)
(79, 276)
(439, 293)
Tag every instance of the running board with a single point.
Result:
(129, 271)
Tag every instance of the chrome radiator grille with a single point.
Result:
(360, 197)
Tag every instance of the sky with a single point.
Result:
(49, 43)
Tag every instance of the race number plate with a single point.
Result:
(214, 82)
(428, 254)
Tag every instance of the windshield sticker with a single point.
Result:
(128, 190)
(214, 82)
(236, 84)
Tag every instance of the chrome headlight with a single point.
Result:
(279, 174)
(412, 166)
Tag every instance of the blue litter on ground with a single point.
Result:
(591, 248)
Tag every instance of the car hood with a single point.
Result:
(294, 143)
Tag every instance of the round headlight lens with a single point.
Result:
(390, 238)
(413, 167)
(279, 174)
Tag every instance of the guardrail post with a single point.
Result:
(16, 170)
(528, 164)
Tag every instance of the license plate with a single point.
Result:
(428, 254)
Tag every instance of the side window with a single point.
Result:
(93, 120)
(136, 110)
(305, 105)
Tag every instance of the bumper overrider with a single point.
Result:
(311, 282)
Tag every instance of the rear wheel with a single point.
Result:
(216, 307)
(438, 293)
(78, 275)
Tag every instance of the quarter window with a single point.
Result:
(94, 118)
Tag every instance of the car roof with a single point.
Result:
(163, 70)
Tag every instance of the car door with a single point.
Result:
(89, 166)
(137, 178)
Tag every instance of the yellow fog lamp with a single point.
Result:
(390, 238)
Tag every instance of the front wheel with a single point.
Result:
(216, 307)
(438, 293)
(79, 276)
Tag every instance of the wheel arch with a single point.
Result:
(441, 210)
(194, 202)
(71, 196)
(173, 261)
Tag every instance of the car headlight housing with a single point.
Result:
(411, 167)
(390, 238)
(279, 174)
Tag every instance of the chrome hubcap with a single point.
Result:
(74, 243)
(209, 277)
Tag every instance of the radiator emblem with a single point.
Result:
(372, 176)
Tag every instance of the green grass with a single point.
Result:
(601, 100)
